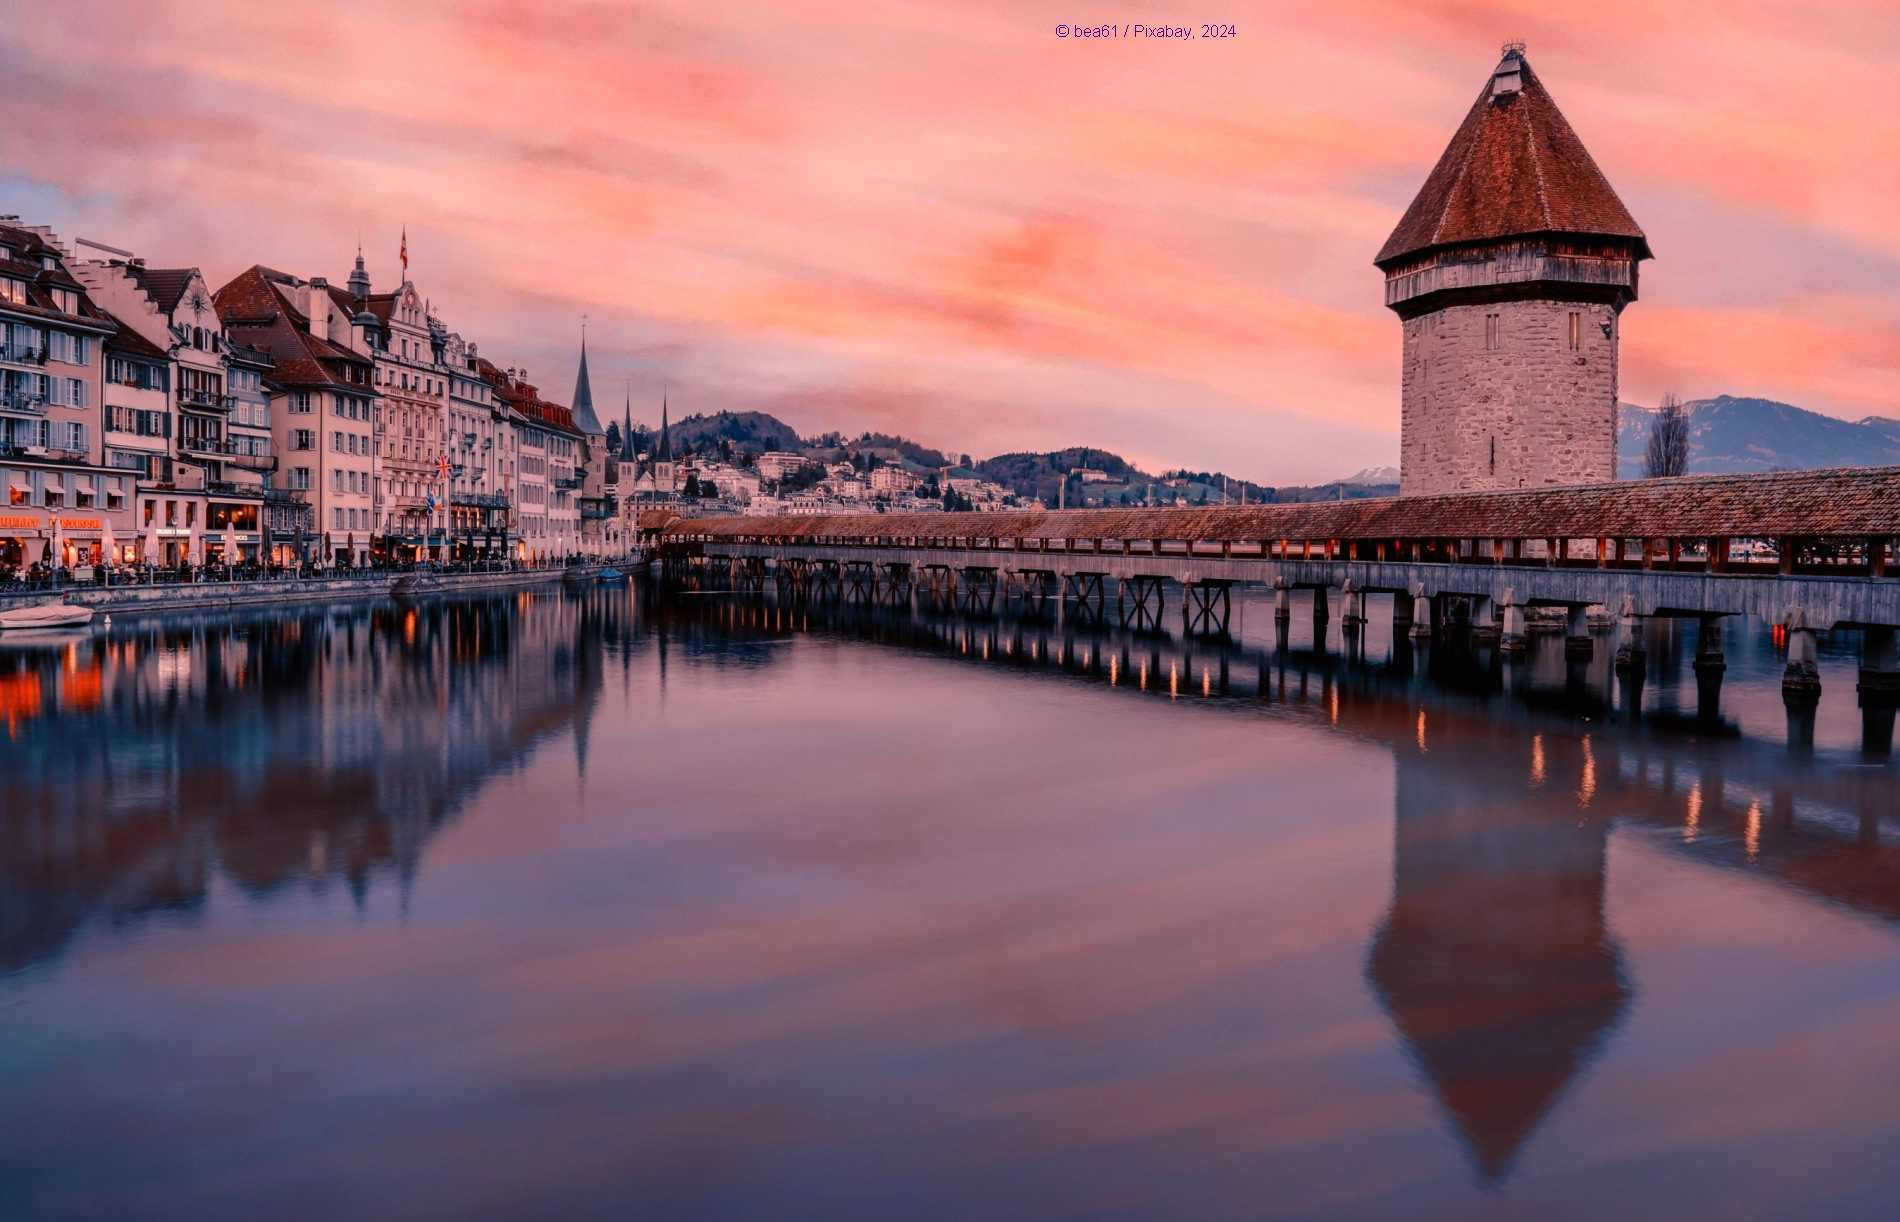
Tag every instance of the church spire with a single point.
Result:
(665, 452)
(359, 279)
(584, 418)
(627, 452)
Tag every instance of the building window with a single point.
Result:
(300, 478)
(300, 403)
(303, 439)
(1491, 332)
(1576, 330)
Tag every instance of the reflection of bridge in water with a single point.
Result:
(1494, 961)
(275, 749)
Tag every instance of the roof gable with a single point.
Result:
(1515, 168)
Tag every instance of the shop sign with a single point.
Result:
(15, 522)
(79, 524)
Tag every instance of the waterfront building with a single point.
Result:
(322, 403)
(409, 347)
(1510, 271)
(548, 457)
(60, 498)
(213, 461)
(481, 440)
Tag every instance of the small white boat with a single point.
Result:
(48, 615)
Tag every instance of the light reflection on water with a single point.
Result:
(610, 905)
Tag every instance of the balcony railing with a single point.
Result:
(570, 483)
(479, 500)
(208, 400)
(44, 453)
(18, 354)
(22, 404)
(285, 496)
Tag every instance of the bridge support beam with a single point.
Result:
(1084, 596)
(1879, 690)
(978, 586)
(1632, 658)
(1801, 680)
(1484, 624)
(1421, 612)
(1140, 602)
(1710, 666)
(1355, 616)
(1205, 608)
(1512, 638)
(1578, 644)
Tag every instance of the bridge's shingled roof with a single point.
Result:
(1848, 502)
(1515, 168)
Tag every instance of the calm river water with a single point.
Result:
(619, 906)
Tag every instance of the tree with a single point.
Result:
(1668, 452)
(613, 436)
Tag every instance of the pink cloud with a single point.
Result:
(1161, 249)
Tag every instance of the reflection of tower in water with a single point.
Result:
(1494, 962)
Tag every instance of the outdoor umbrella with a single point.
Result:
(108, 545)
(194, 546)
(47, 555)
(151, 541)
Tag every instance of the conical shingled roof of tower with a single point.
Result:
(584, 418)
(1515, 168)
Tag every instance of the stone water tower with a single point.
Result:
(1510, 271)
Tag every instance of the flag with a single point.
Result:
(405, 252)
(432, 502)
(442, 466)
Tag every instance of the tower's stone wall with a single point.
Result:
(1509, 403)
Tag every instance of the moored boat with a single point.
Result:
(47, 615)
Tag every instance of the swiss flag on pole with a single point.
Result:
(405, 252)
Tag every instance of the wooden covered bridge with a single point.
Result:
(1808, 550)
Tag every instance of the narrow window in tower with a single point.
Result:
(1491, 332)
(1576, 331)
(1494, 456)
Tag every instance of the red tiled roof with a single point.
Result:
(525, 398)
(1841, 502)
(1515, 168)
(130, 343)
(164, 285)
(30, 250)
(256, 311)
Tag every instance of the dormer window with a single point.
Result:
(1507, 79)
(66, 301)
(12, 290)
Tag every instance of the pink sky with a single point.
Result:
(943, 220)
